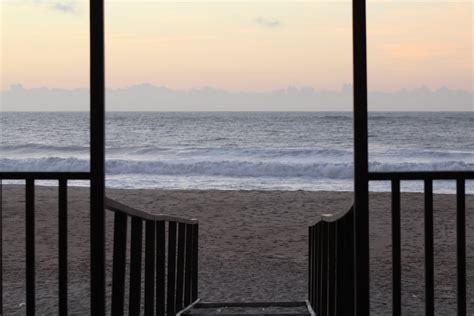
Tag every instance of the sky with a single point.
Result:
(250, 46)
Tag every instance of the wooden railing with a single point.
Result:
(171, 243)
(331, 272)
(166, 292)
(62, 179)
(460, 178)
(332, 239)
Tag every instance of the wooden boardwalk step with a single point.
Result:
(250, 309)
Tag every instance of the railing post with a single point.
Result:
(429, 264)
(62, 247)
(1, 247)
(30, 247)
(361, 168)
(461, 245)
(396, 250)
(97, 161)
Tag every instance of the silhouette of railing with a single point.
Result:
(179, 248)
(166, 292)
(331, 274)
(428, 178)
(62, 179)
(331, 248)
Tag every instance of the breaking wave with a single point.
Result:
(227, 168)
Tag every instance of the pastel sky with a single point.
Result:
(240, 45)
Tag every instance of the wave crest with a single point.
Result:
(227, 168)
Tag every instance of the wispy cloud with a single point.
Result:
(65, 6)
(271, 23)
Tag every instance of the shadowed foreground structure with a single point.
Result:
(253, 245)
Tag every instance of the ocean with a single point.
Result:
(240, 150)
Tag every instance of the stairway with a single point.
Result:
(249, 309)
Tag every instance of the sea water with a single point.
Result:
(240, 150)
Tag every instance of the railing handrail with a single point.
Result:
(329, 218)
(116, 206)
(422, 175)
(44, 175)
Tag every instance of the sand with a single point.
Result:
(253, 245)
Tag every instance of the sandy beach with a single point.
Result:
(253, 244)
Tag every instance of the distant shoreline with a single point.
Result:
(224, 190)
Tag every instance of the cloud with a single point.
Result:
(154, 98)
(271, 23)
(65, 6)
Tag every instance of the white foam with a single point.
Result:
(228, 168)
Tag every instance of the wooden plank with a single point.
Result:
(188, 265)
(150, 268)
(461, 246)
(160, 268)
(30, 247)
(135, 266)
(429, 261)
(62, 248)
(118, 268)
(180, 267)
(396, 251)
(171, 289)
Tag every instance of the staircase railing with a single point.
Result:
(331, 257)
(171, 262)
(331, 248)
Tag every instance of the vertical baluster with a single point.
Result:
(461, 245)
(342, 266)
(135, 266)
(319, 272)
(180, 267)
(310, 264)
(160, 268)
(396, 250)
(62, 249)
(325, 270)
(315, 266)
(194, 292)
(340, 262)
(171, 303)
(1, 247)
(30, 247)
(118, 269)
(331, 268)
(150, 268)
(188, 265)
(429, 266)
(349, 270)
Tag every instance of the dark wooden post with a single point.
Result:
(97, 168)
(361, 156)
